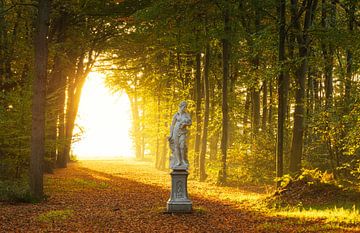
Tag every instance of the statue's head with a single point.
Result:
(182, 106)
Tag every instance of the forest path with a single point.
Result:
(129, 196)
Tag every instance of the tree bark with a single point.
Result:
(225, 109)
(264, 107)
(214, 138)
(136, 123)
(303, 44)
(282, 100)
(271, 101)
(255, 110)
(328, 52)
(75, 86)
(157, 152)
(197, 113)
(349, 58)
(39, 102)
(206, 115)
(246, 112)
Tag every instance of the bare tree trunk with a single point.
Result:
(282, 100)
(255, 111)
(264, 107)
(142, 131)
(271, 102)
(206, 115)
(197, 113)
(328, 53)
(39, 102)
(246, 112)
(225, 110)
(349, 57)
(136, 124)
(76, 83)
(157, 152)
(303, 44)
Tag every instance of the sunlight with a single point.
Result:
(105, 121)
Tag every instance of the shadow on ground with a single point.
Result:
(99, 202)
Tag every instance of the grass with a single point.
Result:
(330, 214)
(55, 215)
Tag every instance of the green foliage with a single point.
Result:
(312, 187)
(15, 191)
(15, 133)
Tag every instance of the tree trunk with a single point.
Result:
(271, 101)
(282, 100)
(264, 107)
(206, 115)
(255, 103)
(136, 124)
(328, 53)
(76, 83)
(246, 112)
(225, 111)
(142, 131)
(61, 161)
(197, 113)
(39, 102)
(303, 43)
(349, 58)
(157, 152)
(255, 110)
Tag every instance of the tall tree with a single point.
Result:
(225, 107)
(197, 113)
(39, 101)
(303, 40)
(206, 114)
(282, 101)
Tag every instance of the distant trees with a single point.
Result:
(285, 57)
(68, 37)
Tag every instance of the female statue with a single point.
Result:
(177, 139)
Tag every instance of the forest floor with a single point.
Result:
(130, 196)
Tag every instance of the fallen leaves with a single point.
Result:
(131, 197)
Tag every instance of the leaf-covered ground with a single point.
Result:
(128, 196)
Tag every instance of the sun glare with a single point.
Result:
(104, 120)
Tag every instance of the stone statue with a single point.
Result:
(178, 138)
(179, 200)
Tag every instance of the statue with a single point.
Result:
(178, 137)
(179, 201)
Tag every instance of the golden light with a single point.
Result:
(105, 121)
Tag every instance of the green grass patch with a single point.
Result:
(200, 209)
(55, 215)
(335, 215)
(312, 195)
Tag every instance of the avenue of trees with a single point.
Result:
(272, 86)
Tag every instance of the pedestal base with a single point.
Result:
(179, 207)
(179, 201)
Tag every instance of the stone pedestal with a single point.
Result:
(179, 201)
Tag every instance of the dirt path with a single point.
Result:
(108, 196)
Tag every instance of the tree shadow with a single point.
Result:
(148, 201)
